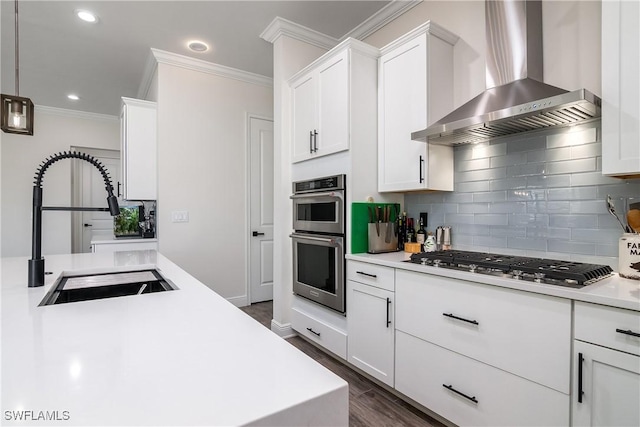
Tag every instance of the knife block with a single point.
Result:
(378, 237)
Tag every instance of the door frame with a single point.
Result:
(247, 220)
(76, 190)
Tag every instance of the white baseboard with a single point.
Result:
(241, 301)
(282, 330)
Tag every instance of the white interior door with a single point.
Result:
(261, 210)
(90, 190)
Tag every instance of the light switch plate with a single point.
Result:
(180, 216)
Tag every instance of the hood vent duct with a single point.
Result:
(516, 99)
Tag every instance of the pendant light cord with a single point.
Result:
(17, 55)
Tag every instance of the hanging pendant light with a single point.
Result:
(17, 111)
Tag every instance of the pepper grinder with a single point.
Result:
(446, 240)
(439, 238)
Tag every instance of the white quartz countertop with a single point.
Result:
(97, 240)
(180, 358)
(614, 291)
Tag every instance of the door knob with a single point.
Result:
(256, 234)
(88, 225)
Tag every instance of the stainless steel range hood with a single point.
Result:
(516, 99)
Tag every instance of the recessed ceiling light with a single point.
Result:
(86, 16)
(197, 46)
(73, 97)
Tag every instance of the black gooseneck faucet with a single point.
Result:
(36, 263)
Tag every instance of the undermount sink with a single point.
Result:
(106, 285)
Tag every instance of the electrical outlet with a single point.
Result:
(180, 216)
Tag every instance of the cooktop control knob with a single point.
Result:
(472, 268)
(517, 274)
(538, 277)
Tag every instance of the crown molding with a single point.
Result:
(428, 27)
(381, 18)
(75, 113)
(283, 27)
(350, 43)
(150, 68)
(158, 56)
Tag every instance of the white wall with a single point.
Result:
(201, 169)
(571, 41)
(55, 130)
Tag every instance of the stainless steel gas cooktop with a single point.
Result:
(540, 270)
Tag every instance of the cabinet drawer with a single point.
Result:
(501, 327)
(319, 332)
(371, 274)
(611, 327)
(423, 370)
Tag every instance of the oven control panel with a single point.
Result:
(320, 184)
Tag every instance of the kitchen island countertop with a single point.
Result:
(183, 357)
(613, 291)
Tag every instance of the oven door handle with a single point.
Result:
(315, 238)
(333, 194)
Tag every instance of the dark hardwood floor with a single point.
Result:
(369, 404)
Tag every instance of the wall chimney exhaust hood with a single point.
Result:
(516, 99)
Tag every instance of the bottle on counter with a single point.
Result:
(400, 233)
(421, 234)
(411, 232)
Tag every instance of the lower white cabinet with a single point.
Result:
(607, 387)
(315, 324)
(606, 366)
(118, 246)
(501, 327)
(371, 330)
(468, 392)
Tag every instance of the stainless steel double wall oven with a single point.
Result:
(319, 240)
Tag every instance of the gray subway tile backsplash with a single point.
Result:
(570, 137)
(571, 166)
(540, 195)
(471, 187)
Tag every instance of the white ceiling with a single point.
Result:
(59, 54)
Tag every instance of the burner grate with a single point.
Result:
(566, 270)
(545, 270)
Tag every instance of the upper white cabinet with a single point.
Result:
(324, 95)
(415, 89)
(138, 149)
(620, 88)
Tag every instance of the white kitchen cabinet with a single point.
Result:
(138, 149)
(468, 392)
(415, 89)
(370, 308)
(472, 352)
(610, 384)
(606, 367)
(620, 88)
(501, 327)
(321, 325)
(323, 97)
